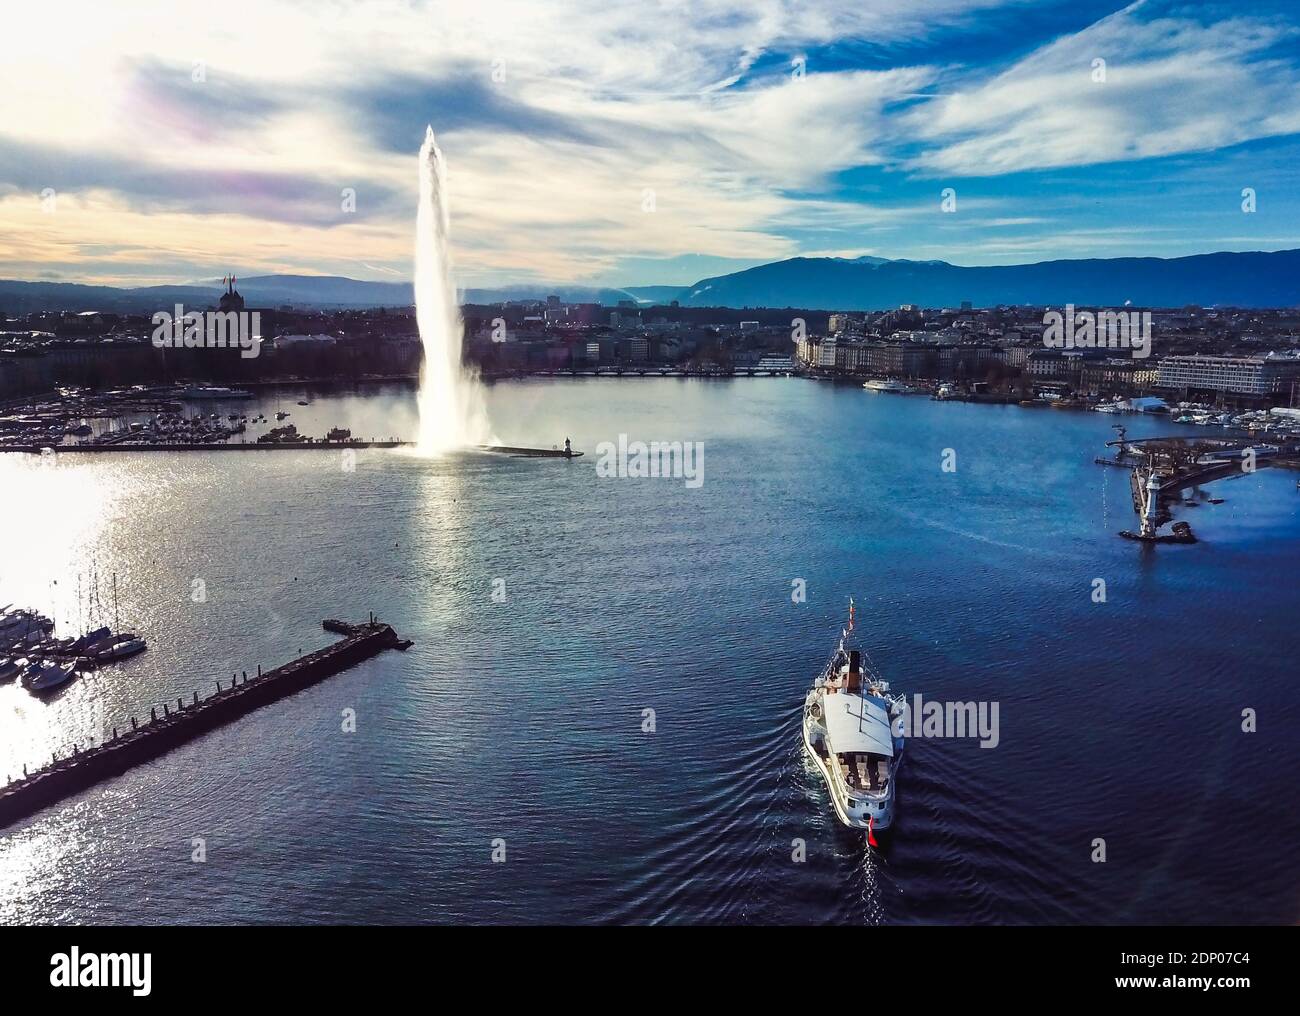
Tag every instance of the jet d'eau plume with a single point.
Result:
(452, 410)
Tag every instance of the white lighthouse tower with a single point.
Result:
(1150, 507)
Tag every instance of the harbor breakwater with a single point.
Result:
(172, 727)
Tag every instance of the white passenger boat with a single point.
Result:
(853, 732)
(875, 385)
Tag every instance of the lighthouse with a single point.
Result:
(1150, 507)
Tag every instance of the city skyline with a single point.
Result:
(590, 146)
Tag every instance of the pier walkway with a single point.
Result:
(144, 742)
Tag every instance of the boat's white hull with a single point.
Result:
(121, 650)
(888, 386)
(876, 813)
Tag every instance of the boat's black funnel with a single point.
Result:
(855, 661)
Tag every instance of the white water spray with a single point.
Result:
(452, 410)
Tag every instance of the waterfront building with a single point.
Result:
(1258, 376)
(898, 360)
(1117, 376)
(635, 350)
(966, 361)
(1060, 364)
(1015, 356)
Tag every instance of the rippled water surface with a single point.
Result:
(522, 720)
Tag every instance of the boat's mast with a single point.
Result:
(116, 626)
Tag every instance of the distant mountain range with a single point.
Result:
(1249, 279)
(306, 291)
(1255, 279)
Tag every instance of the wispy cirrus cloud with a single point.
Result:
(144, 187)
(1147, 82)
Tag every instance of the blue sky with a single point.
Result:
(646, 143)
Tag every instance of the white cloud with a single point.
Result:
(1171, 86)
(692, 99)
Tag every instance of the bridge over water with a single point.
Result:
(647, 371)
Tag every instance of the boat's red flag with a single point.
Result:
(871, 838)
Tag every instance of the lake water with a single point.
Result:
(522, 721)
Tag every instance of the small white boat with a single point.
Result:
(213, 392)
(47, 675)
(875, 385)
(853, 732)
(122, 649)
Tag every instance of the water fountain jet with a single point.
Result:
(452, 410)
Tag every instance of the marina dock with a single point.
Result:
(172, 727)
(241, 446)
(1161, 468)
(253, 446)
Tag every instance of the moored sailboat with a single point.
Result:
(46, 675)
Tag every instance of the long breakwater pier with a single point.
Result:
(144, 742)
